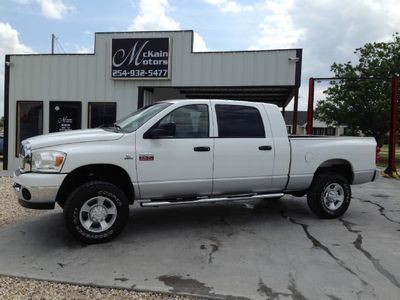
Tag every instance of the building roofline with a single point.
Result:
(144, 31)
(156, 31)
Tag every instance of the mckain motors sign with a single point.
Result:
(140, 58)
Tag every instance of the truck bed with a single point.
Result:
(309, 152)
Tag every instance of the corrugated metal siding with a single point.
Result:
(87, 78)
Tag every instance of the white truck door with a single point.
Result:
(243, 150)
(175, 156)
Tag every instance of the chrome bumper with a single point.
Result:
(38, 191)
(36, 197)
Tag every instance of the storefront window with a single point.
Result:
(330, 131)
(65, 115)
(29, 120)
(318, 131)
(101, 113)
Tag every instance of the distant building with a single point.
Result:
(319, 128)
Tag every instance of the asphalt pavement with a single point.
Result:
(254, 250)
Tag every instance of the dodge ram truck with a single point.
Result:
(186, 152)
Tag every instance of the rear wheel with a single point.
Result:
(329, 196)
(96, 212)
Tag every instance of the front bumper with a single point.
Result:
(37, 191)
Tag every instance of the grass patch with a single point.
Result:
(384, 154)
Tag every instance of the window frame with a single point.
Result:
(17, 125)
(146, 133)
(239, 137)
(102, 102)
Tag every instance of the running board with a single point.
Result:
(209, 200)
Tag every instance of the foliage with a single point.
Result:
(363, 105)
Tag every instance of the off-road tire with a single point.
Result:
(315, 196)
(80, 196)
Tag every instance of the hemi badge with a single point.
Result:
(146, 157)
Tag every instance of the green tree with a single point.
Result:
(363, 105)
(2, 121)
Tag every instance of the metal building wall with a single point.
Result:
(87, 77)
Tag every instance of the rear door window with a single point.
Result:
(239, 121)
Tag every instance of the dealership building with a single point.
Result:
(128, 70)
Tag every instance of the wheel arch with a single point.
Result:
(339, 166)
(105, 172)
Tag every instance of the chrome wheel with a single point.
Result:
(333, 196)
(98, 214)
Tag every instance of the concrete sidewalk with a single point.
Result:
(261, 250)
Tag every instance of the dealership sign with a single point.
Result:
(140, 58)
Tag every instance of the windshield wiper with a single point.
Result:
(114, 125)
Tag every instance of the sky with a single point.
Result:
(327, 30)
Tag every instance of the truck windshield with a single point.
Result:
(136, 119)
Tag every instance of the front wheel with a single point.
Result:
(96, 212)
(329, 196)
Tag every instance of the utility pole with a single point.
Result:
(391, 168)
(53, 38)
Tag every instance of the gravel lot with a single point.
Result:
(11, 212)
(17, 288)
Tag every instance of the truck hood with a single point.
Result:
(73, 136)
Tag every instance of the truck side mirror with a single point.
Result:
(157, 133)
(162, 131)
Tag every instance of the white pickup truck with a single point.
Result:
(186, 152)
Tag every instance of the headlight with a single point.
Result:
(25, 157)
(48, 161)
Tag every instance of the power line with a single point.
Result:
(55, 42)
(59, 44)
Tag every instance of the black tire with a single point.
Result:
(317, 196)
(112, 205)
(299, 193)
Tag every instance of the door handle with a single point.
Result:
(201, 149)
(265, 148)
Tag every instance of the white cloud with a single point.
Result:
(199, 45)
(333, 29)
(153, 16)
(9, 41)
(84, 50)
(9, 44)
(277, 30)
(51, 9)
(230, 6)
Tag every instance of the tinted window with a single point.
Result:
(238, 121)
(29, 120)
(65, 115)
(101, 113)
(190, 121)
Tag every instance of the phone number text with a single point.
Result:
(140, 73)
